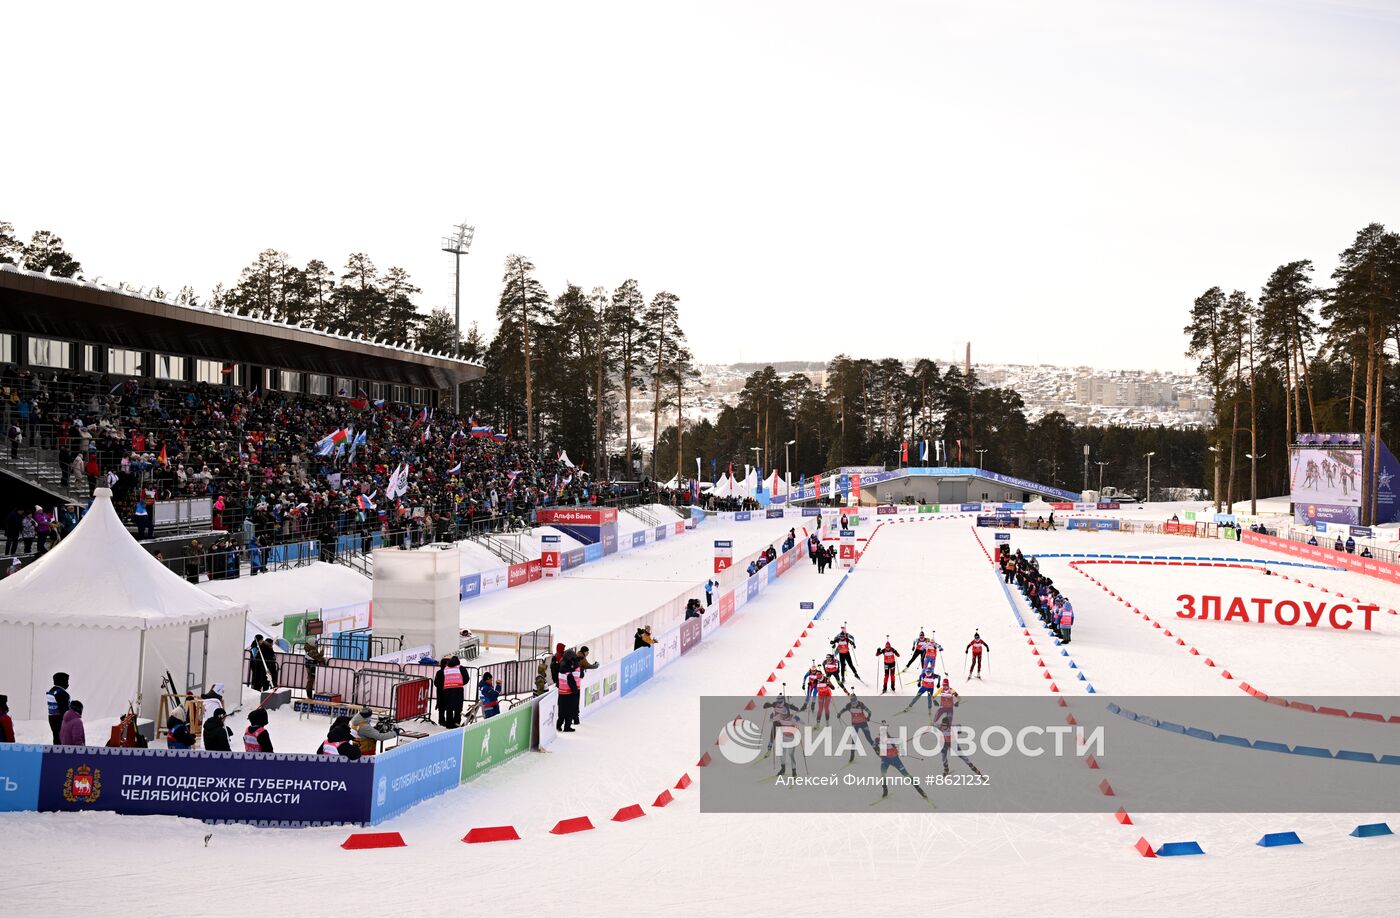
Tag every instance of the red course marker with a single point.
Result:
(363, 840)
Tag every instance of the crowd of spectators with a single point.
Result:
(255, 455)
(1053, 607)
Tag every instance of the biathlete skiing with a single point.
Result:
(844, 643)
(976, 647)
(890, 657)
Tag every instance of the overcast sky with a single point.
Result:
(1054, 181)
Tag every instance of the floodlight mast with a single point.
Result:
(457, 244)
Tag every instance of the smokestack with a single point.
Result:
(967, 361)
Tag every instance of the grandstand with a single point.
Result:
(218, 419)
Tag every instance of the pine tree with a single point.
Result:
(667, 341)
(1211, 343)
(438, 332)
(11, 249)
(358, 299)
(628, 338)
(399, 317)
(522, 311)
(45, 252)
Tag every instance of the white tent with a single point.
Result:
(100, 608)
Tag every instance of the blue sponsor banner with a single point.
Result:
(1011, 505)
(1003, 537)
(1224, 518)
(773, 513)
(661, 533)
(1361, 532)
(639, 538)
(1109, 505)
(970, 508)
(469, 587)
(637, 668)
(292, 552)
(274, 789)
(20, 767)
(571, 559)
(550, 539)
(610, 539)
(806, 605)
(772, 570)
(1092, 525)
(351, 645)
(592, 552)
(752, 586)
(697, 516)
(811, 511)
(1000, 522)
(742, 516)
(413, 772)
(844, 483)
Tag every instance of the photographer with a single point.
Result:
(370, 734)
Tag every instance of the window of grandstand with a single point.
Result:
(291, 381)
(46, 352)
(418, 396)
(168, 366)
(376, 390)
(211, 371)
(400, 393)
(316, 384)
(7, 348)
(344, 387)
(123, 362)
(90, 362)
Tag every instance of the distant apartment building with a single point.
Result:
(1123, 391)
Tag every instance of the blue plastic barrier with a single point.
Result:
(1270, 745)
(1279, 839)
(1231, 740)
(1179, 849)
(1371, 830)
(1315, 751)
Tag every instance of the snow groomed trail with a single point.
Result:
(930, 575)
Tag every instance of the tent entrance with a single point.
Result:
(198, 659)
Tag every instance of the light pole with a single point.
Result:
(979, 453)
(787, 465)
(1101, 465)
(1216, 495)
(1253, 481)
(1149, 476)
(457, 244)
(1086, 467)
(759, 468)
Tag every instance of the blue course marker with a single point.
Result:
(1371, 830)
(1279, 839)
(1179, 849)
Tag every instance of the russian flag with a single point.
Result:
(483, 431)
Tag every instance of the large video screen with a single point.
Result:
(1326, 475)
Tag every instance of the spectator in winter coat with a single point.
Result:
(314, 658)
(489, 696)
(367, 733)
(709, 592)
(643, 638)
(452, 689)
(583, 662)
(542, 679)
(338, 741)
(556, 662)
(72, 733)
(58, 702)
(12, 530)
(178, 734)
(216, 732)
(7, 726)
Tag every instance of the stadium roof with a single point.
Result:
(34, 303)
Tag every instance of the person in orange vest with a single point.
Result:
(256, 738)
(1064, 622)
(570, 682)
(890, 657)
(452, 686)
(844, 643)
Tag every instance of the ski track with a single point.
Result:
(677, 860)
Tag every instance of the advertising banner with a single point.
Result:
(546, 718)
(264, 789)
(518, 574)
(751, 587)
(928, 508)
(491, 742)
(661, 532)
(549, 555)
(571, 559)
(1001, 522)
(1061, 505)
(886, 510)
(592, 552)
(690, 632)
(1109, 505)
(811, 511)
(1360, 532)
(1381, 570)
(726, 605)
(847, 550)
(577, 516)
(710, 621)
(601, 687)
(773, 513)
(970, 508)
(742, 516)
(667, 649)
(639, 538)
(1092, 525)
(609, 538)
(20, 767)
(1085, 508)
(680, 527)
(724, 554)
(469, 587)
(536, 569)
(855, 488)
(637, 668)
(697, 516)
(493, 580)
(413, 772)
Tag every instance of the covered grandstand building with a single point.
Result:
(54, 323)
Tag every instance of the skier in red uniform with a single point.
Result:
(844, 643)
(976, 647)
(890, 657)
(824, 693)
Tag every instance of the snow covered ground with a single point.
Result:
(679, 861)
